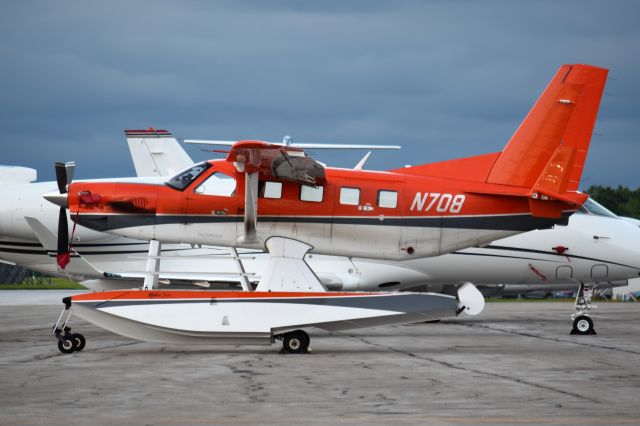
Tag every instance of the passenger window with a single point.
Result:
(388, 199)
(350, 196)
(217, 184)
(271, 190)
(309, 193)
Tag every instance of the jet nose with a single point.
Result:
(57, 198)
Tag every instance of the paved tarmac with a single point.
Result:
(514, 364)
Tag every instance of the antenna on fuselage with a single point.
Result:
(360, 164)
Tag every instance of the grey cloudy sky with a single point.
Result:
(443, 79)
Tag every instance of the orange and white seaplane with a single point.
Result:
(276, 197)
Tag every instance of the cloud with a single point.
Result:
(443, 79)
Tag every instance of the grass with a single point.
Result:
(42, 284)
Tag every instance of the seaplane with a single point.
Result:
(595, 252)
(278, 198)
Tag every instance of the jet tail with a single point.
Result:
(156, 152)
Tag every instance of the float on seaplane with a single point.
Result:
(280, 199)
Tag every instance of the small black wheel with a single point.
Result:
(78, 341)
(66, 346)
(583, 325)
(296, 342)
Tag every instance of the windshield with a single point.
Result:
(592, 207)
(188, 175)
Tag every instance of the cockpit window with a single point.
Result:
(188, 175)
(218, 184)
(592, 207)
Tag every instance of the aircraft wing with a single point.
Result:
(77, 266)
(17, 175)
(216, 277)
(81, 266)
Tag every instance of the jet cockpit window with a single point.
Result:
(218, 184)
(188, 175)
(592, 207)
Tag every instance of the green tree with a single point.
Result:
(621, 200)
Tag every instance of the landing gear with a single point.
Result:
(582, 322)
(78, 341)
(295, 342)
(67, 342)
(65, 346)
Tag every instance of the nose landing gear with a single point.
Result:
(582, 322)
(67, 342)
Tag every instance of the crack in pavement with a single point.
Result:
(471, 370)
(553, 339)
(57, 355)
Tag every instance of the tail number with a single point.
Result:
(441, 202)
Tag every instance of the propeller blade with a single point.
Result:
(63, 257)
(64, 175)
(61, 177)
(70, 167)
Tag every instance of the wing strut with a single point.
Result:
(152, 271)
(250, 208)
(244, 281)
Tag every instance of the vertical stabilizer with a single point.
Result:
(156, 152)
(548, 151)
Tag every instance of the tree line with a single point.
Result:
(621, 200)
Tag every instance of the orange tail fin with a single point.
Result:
(545, 156)
(548, 151)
